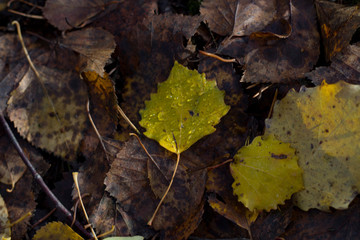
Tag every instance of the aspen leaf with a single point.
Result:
(185, 108)
(322, 123)
(4, 222)
(56, 230)
(266, 173)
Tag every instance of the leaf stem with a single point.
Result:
(38, 178)
(166, 192)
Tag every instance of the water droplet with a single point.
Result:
(161, 116)
(180, 104)
(190, 132)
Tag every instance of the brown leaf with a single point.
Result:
(32, 112)
(269, 59)
(314, 224)
(11, 166)
(94, 45)
(67, 14)
(344, 66)
(136, 182)
(338, 24)
(240, 18)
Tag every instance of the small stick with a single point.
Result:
(108, 232)
(28, 214)
(75, 176)
(166, 192)
(121, 112)
(76, 206)
(43, 218)
(96, 131)
(273, 103)
(220, 164)
(26, 2)
(26, 15)
(233, 60)
(143, 147)
(38, 178)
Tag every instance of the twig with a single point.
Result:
(75, 177)
(220, 164)
(233, 60)
(38, 178)
(273, 103)
(121, 112)
(166, 192)
(96, 131)
(43, 218)
(26, 15)
(146, 151)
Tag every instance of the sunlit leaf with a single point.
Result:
(56, 230)
(4, 222)
(185, 108)
(322, 123)
(266, 173)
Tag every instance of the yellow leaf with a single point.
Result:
(56, 230)
(185, 108)
(5, 233)
(322, 123)
(266, 173)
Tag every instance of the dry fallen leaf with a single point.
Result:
(345, 66)
(95, 46)
(137, 184)
(338, 24)
(53, 119)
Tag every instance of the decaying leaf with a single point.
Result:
(240, 17)
(67, 14)
(185, 108)
(344, 66)
(95, 46)
(338, 24)
(11, 165)
(53, 119)
(273, 54)
(137, 184)
(322, 124)
(56, 230)
(266, 173)
(5, 232)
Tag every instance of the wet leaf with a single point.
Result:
(68, 14)
(5, 231)
(239, 18)
(322, 124)
(185, 108)
(51, 120)
(344, 67)
(138, 184)
(266, 173)
(95, 46)
(56, 230)
(279, 56)
(338, 24)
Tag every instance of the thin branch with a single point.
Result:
(166, 192)
(26, 15)
(233, 60)
(38, 178)
(121, 112)
(96, 130)
(75, 177)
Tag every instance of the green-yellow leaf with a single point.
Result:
(322, 123)
(56, 230)
(5, 233)
(185, 108)
(266, 173)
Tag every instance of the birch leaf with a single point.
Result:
(185, 108)
(266, 173)
(322, 123)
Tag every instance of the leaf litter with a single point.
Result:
(147, 45)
